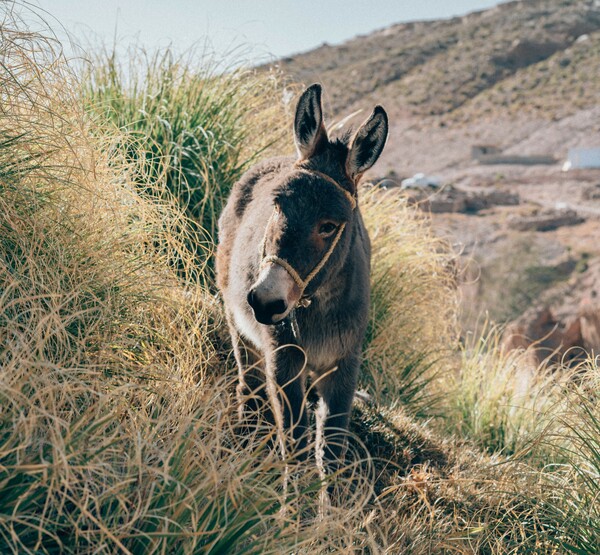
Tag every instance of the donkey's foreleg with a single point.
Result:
(285, 383)
(337, 389)
(251, 387)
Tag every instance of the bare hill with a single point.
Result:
(434, 67)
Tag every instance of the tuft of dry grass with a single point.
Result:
(412, 328)
(573, 440)
(191, 126)
(500, 400)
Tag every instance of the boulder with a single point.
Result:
(454, 199)
(545, 220)
(565, 329)
(592, 192)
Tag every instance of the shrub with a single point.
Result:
(575, 484)
(191, 126)
(501, 401)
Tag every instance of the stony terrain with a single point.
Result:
(523, 76)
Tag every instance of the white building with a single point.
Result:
(582, 158)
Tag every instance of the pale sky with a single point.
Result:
(263, 28)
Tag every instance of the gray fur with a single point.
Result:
(331, 330)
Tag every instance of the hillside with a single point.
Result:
(435, 67)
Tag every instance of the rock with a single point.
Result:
(545, 220)
(443, 205)
(561, 341)
(386, 183)
(526, 52)
(566, 329)
(454, 199)
(421, 181)
(487, 198)
(590, 328)
(592, 192)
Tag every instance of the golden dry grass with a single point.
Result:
(413, 303)
(116, 412)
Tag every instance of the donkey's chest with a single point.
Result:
(326, 342)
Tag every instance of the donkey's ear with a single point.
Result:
(367, 143)
(309, 131)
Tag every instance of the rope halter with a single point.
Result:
(272, 259)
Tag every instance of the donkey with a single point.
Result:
(293, 266)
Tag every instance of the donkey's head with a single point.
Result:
(308, 235)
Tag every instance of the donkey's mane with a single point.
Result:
(344, 138)
(340, 143)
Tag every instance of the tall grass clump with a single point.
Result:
(412, 327)
(574, 511)
(191, 125)
(497, 399)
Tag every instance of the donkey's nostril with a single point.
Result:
(266, 311)
(251, 298)
(276, 307)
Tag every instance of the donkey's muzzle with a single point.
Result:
(267, 311)
(273, 295)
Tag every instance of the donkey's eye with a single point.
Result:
(327, 228)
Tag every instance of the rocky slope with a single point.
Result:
(438, 66)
